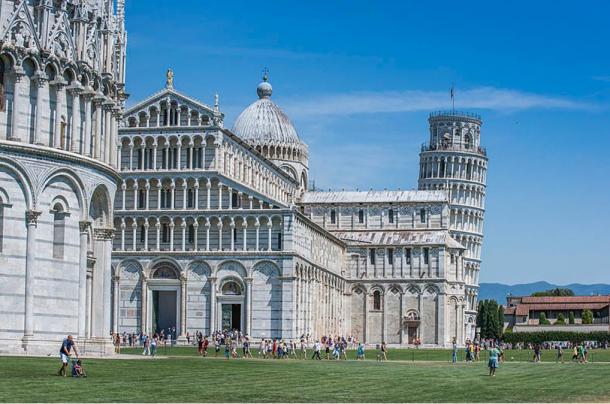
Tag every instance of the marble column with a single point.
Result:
(59, 110)
(17, 95)
(115, 303)
(82, 279)
(144, 304)
(75, 122)
(97, 149)
(248, 297)
(40, 81)
(183, 300)
(87, 131)
(30, 272)
(212, 304)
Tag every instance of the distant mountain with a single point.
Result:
(499, 291)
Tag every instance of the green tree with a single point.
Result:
(587, 317)
(561, 320)
(554, 292)
(571, 317)
(500, 321)
(542, 319)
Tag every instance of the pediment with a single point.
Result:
(174, 97)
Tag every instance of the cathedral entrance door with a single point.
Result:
(164, 310)
(412, 334)
(231, 316)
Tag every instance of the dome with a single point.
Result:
(264, 123)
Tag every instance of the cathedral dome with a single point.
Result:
(264, 123)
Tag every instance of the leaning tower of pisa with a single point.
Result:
(454, 160)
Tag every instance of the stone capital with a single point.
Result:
(103, 233)
(84, 226)
(31, 216)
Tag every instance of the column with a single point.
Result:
(59, 109)
(97, 149)
(134, 232)
(257, 225)
(219, 195)
(196, 205)
(172, 196)
(183, 300)
(17, 94)
(115, 304)
(171, 234)
(158, 227)
(155, 155)
(245, 234)
(107, 131)
(212, 304)
(269, 225)
(31, 217)
(183, 194)
(207, 235)
(39, 80)
(159, 188)
(123, 192)
(146, 226)
(232, 234)
(75, 117)
(87, 133)
(144, 304)
(220, 235)
(191, 146)
(82, 279)
(196, 230)
(183, 226)
(135, 196)
(146, 194)
(131, 156)
(208, 185)
(179, 151)
(248, 305)
(230, 192)
(122, 234)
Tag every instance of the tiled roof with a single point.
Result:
(565, 299)
(566, 303)
(373, 196)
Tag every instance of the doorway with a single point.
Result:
(412, 334)
(231, 316)
(164, 310)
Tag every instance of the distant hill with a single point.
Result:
(498, 291)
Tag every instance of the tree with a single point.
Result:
(587, 317)
(500, 321)
(554, 292)
(561, 320)
(542, 319)
(571, 317)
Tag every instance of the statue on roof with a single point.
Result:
(169, 83)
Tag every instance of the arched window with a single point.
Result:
(191, 234)
(333, 216)
(467, 141)
(376, 300)
(59, 229)
(372, 256)
(190, 198)
(165, 272)
(361, 216)
(142, 233)
(422, 215)
(231, 288)
(391, 216)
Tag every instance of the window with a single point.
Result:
(372, 256)
(426, 255)
(391, 216)
(467, 141)
(163, 157)
(234, 200)
(279, 241)
(59, 228)
(190, 198)
(139, 154)
(361, 216)
(408, 256)
(188, 157)
(333, 216)
(142, 234)
(234, 235)
(422, 215)
(141, 198)
(165, 233)
(390, 256)
(376, 300)
(452, 258)
(191, 236)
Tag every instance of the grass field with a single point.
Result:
(189, 378)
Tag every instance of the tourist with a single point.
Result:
(64, 353)
(262, 348)
(303, 348)
(269, 352)
(360, 352)
(328, 344)
(494, 354)
(216, 346)
(188, 338)
(537, 355)
(559, 353)
(234, 348)
(145, 342)
(227, 348)
(384, 351)
(279, 354)
(575, 353)
(454, 351)
(316, 351)
(153, 344)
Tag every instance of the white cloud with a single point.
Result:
(489, 98)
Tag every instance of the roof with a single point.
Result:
(565, 299)
(264, 123)
(398, 238)
(164, 93)
(312, 197)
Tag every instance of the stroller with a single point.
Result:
(77, 368)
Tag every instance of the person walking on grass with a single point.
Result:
(360, 352)
(494, 358)
(316, 351)
(303, 348)
(537, 357)
(153, 345)
(454, 351)
(64, 354)
(146, 343)
(559, 353)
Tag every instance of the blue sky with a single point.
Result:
(359, 78)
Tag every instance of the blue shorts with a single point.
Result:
(64, 357)
(493, 363)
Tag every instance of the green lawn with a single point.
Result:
(442, 355)
(188, 379)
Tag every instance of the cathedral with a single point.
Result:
(157, 216)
